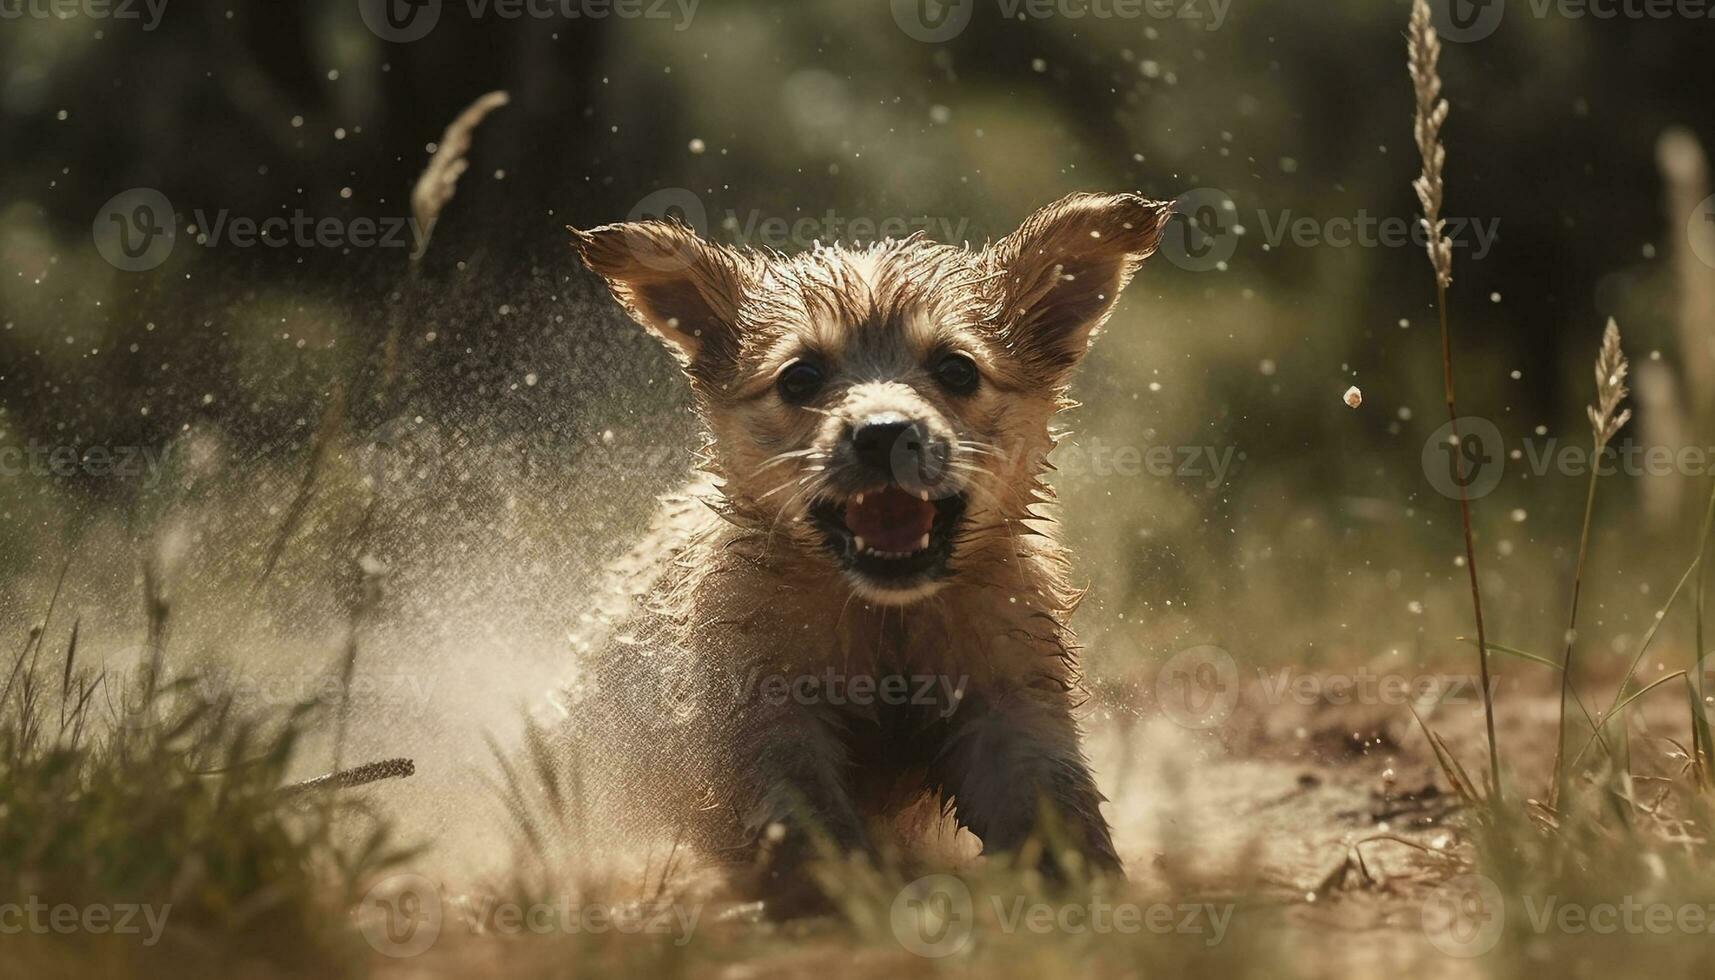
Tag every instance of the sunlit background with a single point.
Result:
(330, 439)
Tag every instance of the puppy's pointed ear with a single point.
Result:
(682, 289)
(1061, 271)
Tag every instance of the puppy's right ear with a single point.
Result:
(682, 289)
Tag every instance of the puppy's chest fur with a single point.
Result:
(710, 622)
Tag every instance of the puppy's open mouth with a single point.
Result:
(891, 537)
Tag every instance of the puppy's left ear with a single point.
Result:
(1061, 271)
(684, 290)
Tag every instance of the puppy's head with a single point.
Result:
(884, 409)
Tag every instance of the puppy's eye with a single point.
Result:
(800, 381)
(957, 373)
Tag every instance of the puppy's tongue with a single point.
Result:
(890, 519)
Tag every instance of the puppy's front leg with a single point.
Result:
(796, 800)
(1012, 759)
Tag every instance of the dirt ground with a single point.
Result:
(1327, 824)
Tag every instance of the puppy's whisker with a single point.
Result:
(790, 507)
(797, 482)
(786, 457)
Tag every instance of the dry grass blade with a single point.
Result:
(1702, 567)
(357, 776)
(34, 637)
(1702, 741)
(1623, 705)
(1456, 775)
(1515, 652)
(1606, 418)
(332, 422)
(440, 179)
(1423, 54)
(1697, 566)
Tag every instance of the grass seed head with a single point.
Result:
(1606, 418)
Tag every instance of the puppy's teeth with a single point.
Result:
(860, 500)
(923, 495)
(857, 542)
(923, 543)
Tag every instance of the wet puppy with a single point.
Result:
(855, 611)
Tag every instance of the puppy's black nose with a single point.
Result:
(885, 443)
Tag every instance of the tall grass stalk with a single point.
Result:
(1423, 49)
(1703, 742)
(1606, 419)
(1702, 566)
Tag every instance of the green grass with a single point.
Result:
(118, 792)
